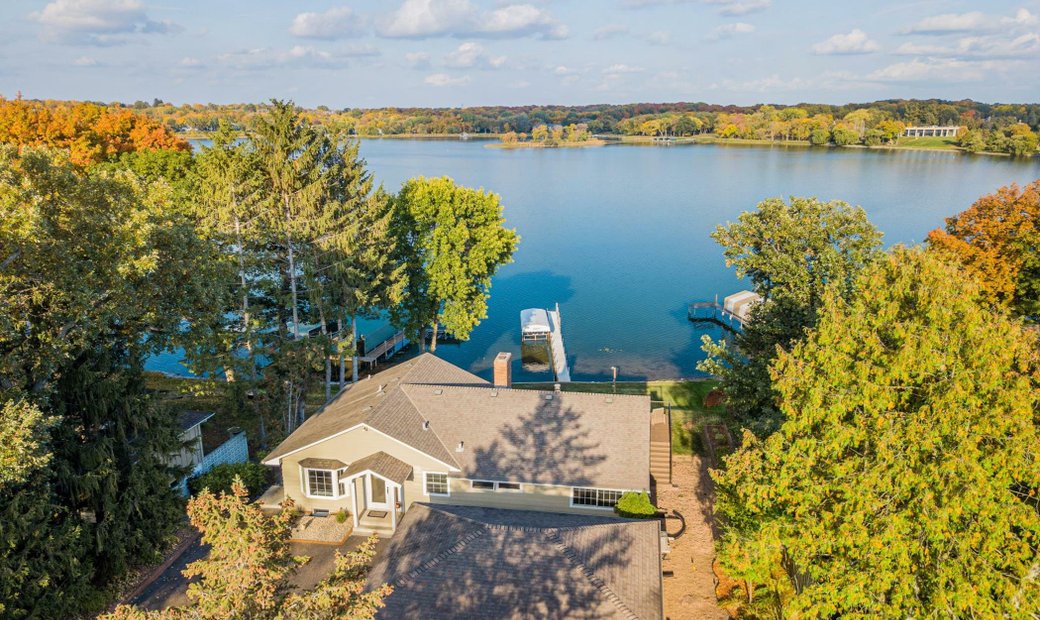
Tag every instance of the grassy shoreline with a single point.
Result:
(903, 144)
(544, 145)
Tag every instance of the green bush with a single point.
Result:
(342, 516)
(635, 506)
(254, 476)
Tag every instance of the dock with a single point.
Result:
(732, 313)
(385, 349)
(539, 325)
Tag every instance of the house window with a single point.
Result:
(436, 484)
(319, 483)
(488, 485)
(594, 498)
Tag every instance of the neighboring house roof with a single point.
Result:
(491, 433)
(190, 419)
(381, 463)
(470, 562)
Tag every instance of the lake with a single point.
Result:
(619, 235)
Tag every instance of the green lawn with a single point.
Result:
(689, 415)
(930, 142)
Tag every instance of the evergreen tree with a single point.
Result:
(98, 270)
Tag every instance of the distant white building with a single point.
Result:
(932, 130)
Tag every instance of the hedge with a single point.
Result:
(254, 476)
(635, 505)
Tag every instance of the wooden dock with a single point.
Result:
(385, 349)
(537, 326)
(713, 312)
(559, 355)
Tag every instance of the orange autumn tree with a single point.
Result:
(91, 133)
(998, 240)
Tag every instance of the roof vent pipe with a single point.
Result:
(461, 447)
(426, 425)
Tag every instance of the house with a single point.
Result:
(193, 457)
(426, 430)
(498, 501)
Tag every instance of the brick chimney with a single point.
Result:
(504, 370)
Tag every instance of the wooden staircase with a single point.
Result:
(660, 447)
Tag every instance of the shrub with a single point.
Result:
(342, 515)
(635, 505)
(219, 479)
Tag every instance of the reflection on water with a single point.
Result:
(619, 236)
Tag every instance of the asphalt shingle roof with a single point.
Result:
(469, 562)
(381, 463)
(490, 433)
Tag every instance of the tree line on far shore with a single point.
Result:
(255, 255)
(996, 128)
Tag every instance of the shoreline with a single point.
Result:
(614, 140)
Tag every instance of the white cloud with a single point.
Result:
(855, 42)
(97, 22)
(85, 61)
(742, 7)
(659, 37)
(472, 54)
(522, 19)
(726, 31)
(418, 19)
(299, 56)
(937, 70)
(621, 69)
(727, 7)
(609, 32)
(975, 47)
(443, 79)
(418, 60)
(334, 23)
(562, 70)
(189, 62)
(971, 22)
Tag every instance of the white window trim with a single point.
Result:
(425, 487)
(586, 506)
(336, 473)
(496, 488)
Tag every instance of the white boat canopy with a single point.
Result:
(534, 321)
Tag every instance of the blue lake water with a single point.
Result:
(619, 235)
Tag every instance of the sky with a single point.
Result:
(457, 53)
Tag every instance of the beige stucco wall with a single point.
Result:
(362, 442)
(350, 447)
(531, 497)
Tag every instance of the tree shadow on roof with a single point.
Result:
(548, 446)
(455, 568)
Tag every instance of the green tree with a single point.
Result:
(792, 252)
(903, 480)
(228, 205)
(971, 141)
(248, 569)
(453, 240)
(98, 270)
(298, 163)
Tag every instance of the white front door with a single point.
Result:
(377, 493)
